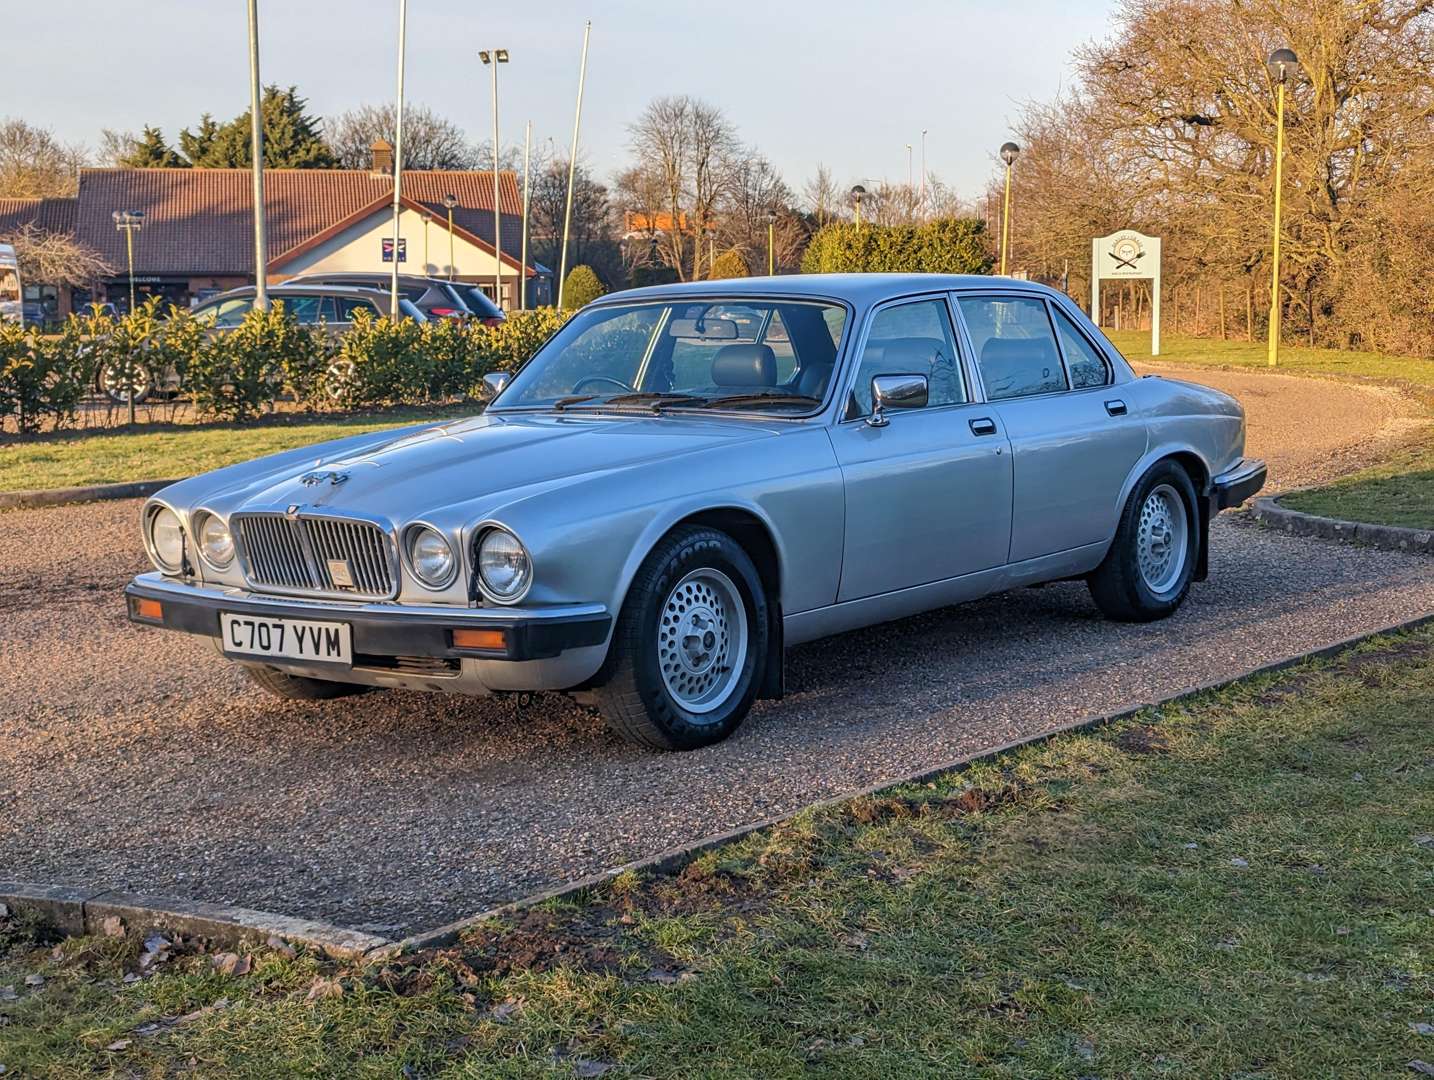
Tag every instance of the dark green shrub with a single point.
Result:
(944, 246)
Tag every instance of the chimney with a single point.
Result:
(382, 157)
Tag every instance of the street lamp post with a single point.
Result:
(129, 222)
(492, 60)
(398, 159)
(1282, 64)
(449, 202)
(573, 164)
(523, 258)
(256, 150)
(922, 197)
(1009, 152)
(771, 247)
(857, 192)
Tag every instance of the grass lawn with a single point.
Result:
(1294, 359)
(1239, 886)
(1399, 491)
(161, 451)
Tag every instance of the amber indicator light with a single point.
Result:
(493, 640)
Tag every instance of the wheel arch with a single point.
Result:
(754, 533)
(1189, 459)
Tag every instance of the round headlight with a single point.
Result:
(216, 543)
(166, 540)
(504, 569)
(430, 557)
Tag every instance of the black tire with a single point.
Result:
(636, 699)
(301, 687)
(1119, 587)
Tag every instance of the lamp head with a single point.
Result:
(1282, 64)
(1009, 152)
(501, 55)
(857, 192)
(771, 217)
(450, 201)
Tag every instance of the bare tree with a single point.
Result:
(34, 164)
(823, 198)
(684, 148)
(430, 141)
(54, 258)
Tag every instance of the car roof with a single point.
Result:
(299, 290)
(378, 275)
(858, 289)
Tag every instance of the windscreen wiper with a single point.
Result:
(657, 399)
(572, 399)
(761, 399)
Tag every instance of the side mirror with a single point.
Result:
(896, 392)
(494, 383)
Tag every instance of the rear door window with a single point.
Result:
(1086, 366)
(1015, 345)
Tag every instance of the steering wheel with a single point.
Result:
(586, 379)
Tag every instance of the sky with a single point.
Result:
(804, 81)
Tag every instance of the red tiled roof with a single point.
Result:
(50, 215)
(200, 221)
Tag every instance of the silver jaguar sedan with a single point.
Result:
(686, 480)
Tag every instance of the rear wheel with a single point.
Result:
(690, 645)
(120, 382)
(300, 687)
(1147, 572)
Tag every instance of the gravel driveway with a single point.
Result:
(135, 759)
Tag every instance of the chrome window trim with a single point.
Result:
(962, 357)
(1065, 358)
(1015, 294)
(774, 297)
(385, 528)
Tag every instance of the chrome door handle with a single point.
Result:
(983, 425)
(1116, 407)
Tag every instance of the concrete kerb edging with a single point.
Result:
(134, 489)
(1268, 512)
(84, 911)
(674, 859)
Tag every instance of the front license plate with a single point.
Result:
(288, 639)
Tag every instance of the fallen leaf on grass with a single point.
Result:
(667, 978)
(1422, 1029)
(279, 945)
(34, 980)
(1423, 1068)
(119, 1044)
(1425, 840)
(592, 1068)
(112, 927)
(229, 963)
(7, 993)
(322, 988)
(504, 1011)
(1239, 862)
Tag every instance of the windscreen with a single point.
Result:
(745, 353)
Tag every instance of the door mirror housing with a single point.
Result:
(896, 392)
(494, 383)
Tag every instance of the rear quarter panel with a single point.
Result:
(1187, 418)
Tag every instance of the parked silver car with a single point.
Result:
(687, 479)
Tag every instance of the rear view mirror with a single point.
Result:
(494, 383)
(704, 329)
(896, 392)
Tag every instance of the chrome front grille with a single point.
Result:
(327, 556)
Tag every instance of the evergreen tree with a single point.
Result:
(150, 151)
(196, 146)
(581, 288)
(292, 138)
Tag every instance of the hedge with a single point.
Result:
(239, 373)
(943, 246)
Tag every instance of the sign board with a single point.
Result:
(1124, 256)
(402, 249)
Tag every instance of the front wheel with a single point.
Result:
(1147, 572)
(690, 646)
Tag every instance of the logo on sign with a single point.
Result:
(1127, 251)
(402, 249)
(340, 573)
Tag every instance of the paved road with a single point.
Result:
(135, 759)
